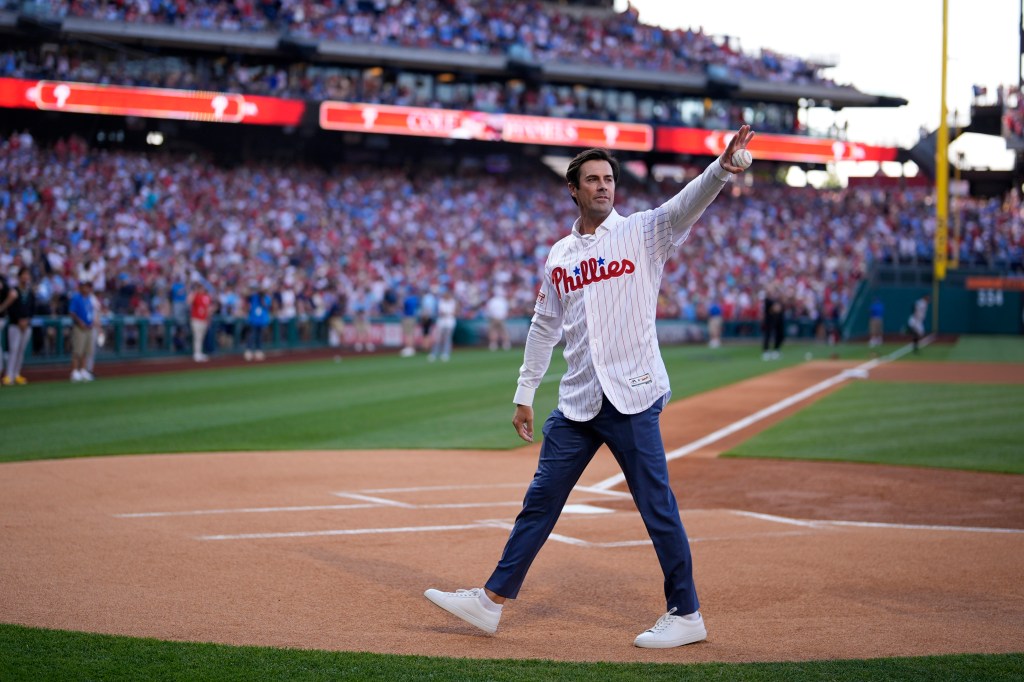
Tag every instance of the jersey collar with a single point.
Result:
(611, 221)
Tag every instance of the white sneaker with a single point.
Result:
(248, 356)
(408, 352)
(466, 605)
(672, 631)
(86, 375)
(76, 375)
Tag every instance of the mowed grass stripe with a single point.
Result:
(311, 404)
(988, 349)
(39, 655)
(361, 402)
(958, 426)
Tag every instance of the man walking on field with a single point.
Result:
(600, 289)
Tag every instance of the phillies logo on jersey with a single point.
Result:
(589, 271)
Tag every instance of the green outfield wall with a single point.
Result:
(971, 301)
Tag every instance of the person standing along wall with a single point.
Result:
(428, 318)
(497, 321)
(916, 320)
(258, 306)
(410, 311)
(876, 317)
(7, 297)
(200, 304)
(96, 337)
(774, 324)
(83, 316)
(19, 328)
(715, 324)
(446, 308)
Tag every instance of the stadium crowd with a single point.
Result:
(141, 227)
(530, 31)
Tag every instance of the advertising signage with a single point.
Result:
(116, 100)
(794, 148)
(477, 125)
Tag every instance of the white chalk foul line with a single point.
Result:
(246, 510)
(856, 373)
(346, 531)
(811, 523)
(376, 500)
(427, 488)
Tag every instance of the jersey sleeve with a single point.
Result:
(548, 303)
(669, 225)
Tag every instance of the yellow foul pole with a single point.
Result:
(941, 181)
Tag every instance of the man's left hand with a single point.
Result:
(739, 141)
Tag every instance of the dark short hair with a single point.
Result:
(572, 173)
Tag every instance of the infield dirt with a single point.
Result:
(332, 550)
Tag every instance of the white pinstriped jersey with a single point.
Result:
(601, 291)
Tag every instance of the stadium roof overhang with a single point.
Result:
(626, 78)
(834, 97)
(221, 41)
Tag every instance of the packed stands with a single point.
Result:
(531, 31)
(137, 223)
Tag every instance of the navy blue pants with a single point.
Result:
(635, 441)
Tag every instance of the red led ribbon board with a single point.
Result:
(115, 100)
(478, 125)
(770, 147)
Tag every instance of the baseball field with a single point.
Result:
(855, 514)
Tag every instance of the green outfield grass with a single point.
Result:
(975, 349)
(35, 655)
(386, 402)
(359, 403)
(958, 426)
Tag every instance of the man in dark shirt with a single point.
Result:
(19, 329)
(7, 297)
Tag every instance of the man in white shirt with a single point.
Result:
(916, 320)
(497, 325)
(600, 290)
